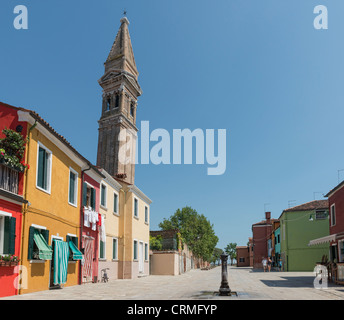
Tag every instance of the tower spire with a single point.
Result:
(117, 124)
(121, 55)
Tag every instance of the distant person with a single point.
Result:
(264, 262)
(269, 263)
(280, 264)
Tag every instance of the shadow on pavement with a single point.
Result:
(291, 282)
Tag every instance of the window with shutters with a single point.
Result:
(115, 203)
(89, 196)
(114, 248)
(103, 195)
(102, 249)
(146, 214)
(33, 250)
(7, 234)
(73, 187)
(44, 160)
(146, 251)
(136, 208)
(135, 249)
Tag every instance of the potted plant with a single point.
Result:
(12, 149)
(9, 260)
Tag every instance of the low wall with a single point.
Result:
(164, 263)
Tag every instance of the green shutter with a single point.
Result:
(42, 169)
(7, 231)
(31, 242)
(135, 250)
(115, 199)
(84, 194)
(71, 187)
(101, 249)
(114, 249)
(76, 241)
(12, 236)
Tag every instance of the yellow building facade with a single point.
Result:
(52, 187)
(126, 210)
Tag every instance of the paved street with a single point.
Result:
(199, 284)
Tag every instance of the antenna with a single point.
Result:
(291, 204)
(317, 192)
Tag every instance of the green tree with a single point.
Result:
(231, 251)
(195, 229)
(155, 243)
(216, 257)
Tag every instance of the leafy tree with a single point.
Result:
(195, 229)
(155, 243)
(216, 257)
(231, 251)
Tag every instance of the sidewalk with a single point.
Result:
(199, 284)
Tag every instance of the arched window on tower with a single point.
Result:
(108, 104)
(132, 109)
(117, 101)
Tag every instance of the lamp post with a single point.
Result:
(224, 288)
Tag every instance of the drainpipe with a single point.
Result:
(81, 217)
(25, 197)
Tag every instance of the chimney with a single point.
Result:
(268, 216)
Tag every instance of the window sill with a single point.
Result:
(115, 214)
(104, 208)
(102, 259)
(73, 204)
(114, 260)
(45, 191)
(147, 223)
(137, 218)
(38, 261)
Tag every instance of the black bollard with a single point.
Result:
(224, 288)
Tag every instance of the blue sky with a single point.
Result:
(256, 68)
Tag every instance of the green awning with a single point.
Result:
(44, 250)
(77, 255)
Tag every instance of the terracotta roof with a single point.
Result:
(265, 222)
(45, 124)
(312, 205)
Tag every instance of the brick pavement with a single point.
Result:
(199, 285)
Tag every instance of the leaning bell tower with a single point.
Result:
(117, 124)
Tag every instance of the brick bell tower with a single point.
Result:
(117, 124)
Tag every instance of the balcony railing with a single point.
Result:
(9, 179)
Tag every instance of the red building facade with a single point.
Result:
(90, 226)
(11, 201)
(336, 221)
(261, 234)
